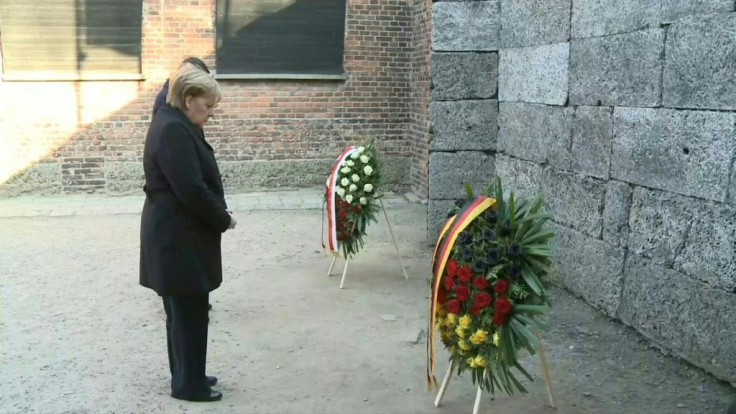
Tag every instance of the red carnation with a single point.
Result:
(500, 319)
(465, 273)
(483, 299)
(463, 293)
(441, 297)
(475, 309)
(454, 306)
(480, 282)
(342, 214)
(449, 282)
(452, 268)
(356, 209)
(501, 287)
(503, 306)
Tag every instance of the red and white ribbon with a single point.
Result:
(332, 199)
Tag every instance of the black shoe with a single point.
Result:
(211, 381)
(212, 396)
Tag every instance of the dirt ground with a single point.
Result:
(78, 335)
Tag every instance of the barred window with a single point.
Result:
(280, 37)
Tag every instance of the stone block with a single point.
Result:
(591, 141)
(536, 133)
(673, 10)
(575, 200)
(437, 211)
(686, 152)
(700, 69)
(124, 177)
(616, 213)
(622, 70)
(37, 179)
(605, 17)
(535, 74)
(464, 76)
(694, 320)
(534, 22)
(589, 268)
(732, 186)
(524, 178)
(464, 125)
(466, 26)
(449, 172)
(695, 237)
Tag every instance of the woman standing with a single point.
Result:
(183, 218)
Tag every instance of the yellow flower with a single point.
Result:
(479, 337)
(460, 331)
(471, 362)
(465, 321)
(441, 310)
(463, 345)
(451, 319)
(479, 361)
(496, 338)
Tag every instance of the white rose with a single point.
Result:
(363, 200)
(354, 155)
(368, 170)
(368, 188)
(356, 177)
(364, 159)
(361, 149)
(350, 163)
(353, 187)
(345, 181)
(349, 198)
(345, 170)
(340, 191)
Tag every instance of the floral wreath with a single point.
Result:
(352, 192)
(487, 290)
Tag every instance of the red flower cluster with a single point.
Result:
(459, 280)
(344, 225)
(501, 312)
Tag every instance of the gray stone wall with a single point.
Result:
(622, 113)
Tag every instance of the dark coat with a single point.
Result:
(185, 213)
(161, 97)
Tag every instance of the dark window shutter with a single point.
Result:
(280, 37)
(70, 38)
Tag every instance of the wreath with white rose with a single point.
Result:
(352, 194)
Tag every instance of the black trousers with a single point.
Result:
(186, 334)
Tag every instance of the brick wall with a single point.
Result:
(419, 133)
(88, 136)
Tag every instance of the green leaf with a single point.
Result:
(523, 371)
(531, 279)
(517, 383)
(469, 190)
(531, 309)
(512, 209)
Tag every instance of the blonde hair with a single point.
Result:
(191, 81)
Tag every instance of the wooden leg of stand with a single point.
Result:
(445, 382)
(478, 396)
(406, 276)
(545, 373)
(344, 273)
(329, 271)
